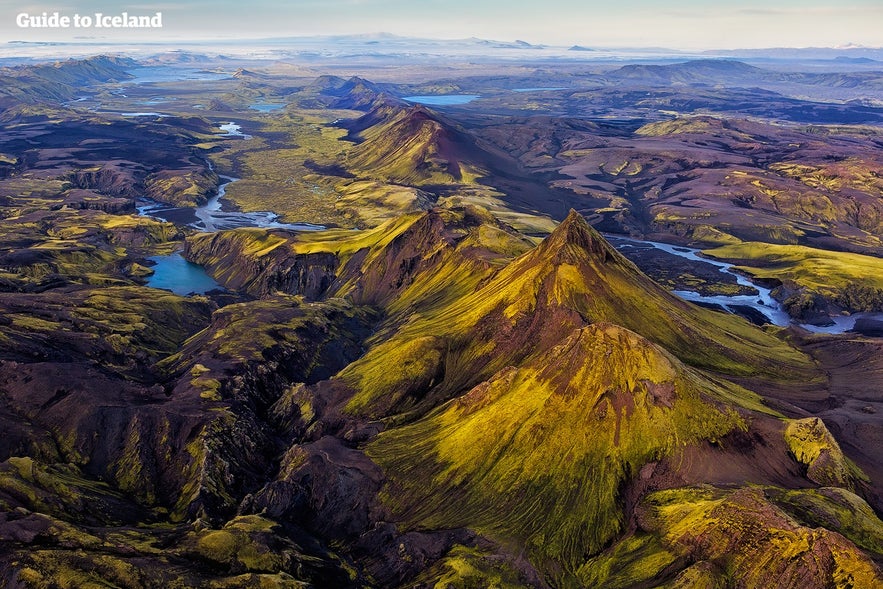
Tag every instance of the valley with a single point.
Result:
(340, 323)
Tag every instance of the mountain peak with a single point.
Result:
(413, 146)
(573, 236)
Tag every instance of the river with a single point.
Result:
(762, 302)
(175, 273)
(211, 216)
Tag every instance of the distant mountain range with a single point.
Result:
(397, 46)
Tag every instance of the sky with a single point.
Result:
(675, 24)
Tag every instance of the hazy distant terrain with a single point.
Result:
(442, 339)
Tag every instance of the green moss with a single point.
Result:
(242, 543)
(702, 574)
(57, 490)
(218, 546)
(813, 446)
(406, 369)
(634, 560)
(537, 454)
(853, 281)
(469, 568)
(747, 541)
(274, 172)
(835, 509)
(473, 308)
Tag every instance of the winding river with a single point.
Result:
(175, 273)
(212, 216)
(762, 302)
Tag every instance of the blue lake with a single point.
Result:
(176, 274)
(266, 106)
(443, 99)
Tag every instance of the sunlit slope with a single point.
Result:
(538, 454)
(748, 537)
(527, 409)
(414, 146)
(421, 259)
(849, 281)
(573, 279)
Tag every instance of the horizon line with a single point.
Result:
(84, 41)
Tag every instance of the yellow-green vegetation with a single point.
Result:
(148, 320)
(370, 203)
(238, 258)
(316, 175)
(245, 332)
(344, 243)
(853, 281)
(835, 509)
(482, 235)
(537, 454)
(572, 278)
(236, 543)
(31, 193)
(700, 125)
(629, 562)
(181, 187)
(527, 393)
(748, 541)
(417, 364)
(263, 581)
(84, 247)
(814, 447)
(210, 387)
(851, 173)
(75, 569)
(713, 236)
(246, 552)
(494, 201)
(68, 569)
(274, 170)
(469, 567)
(56, 490)
(414, 148)
(248, 258)
(568, 371)
(116, 324)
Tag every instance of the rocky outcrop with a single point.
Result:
(262, 263)
(188, 186)
(803, 305)
(82, 199)
(112, 179)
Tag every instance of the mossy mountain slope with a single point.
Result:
(525, 403)
(416, 146)
(573, 279)
(538, 454)
(747, 537)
